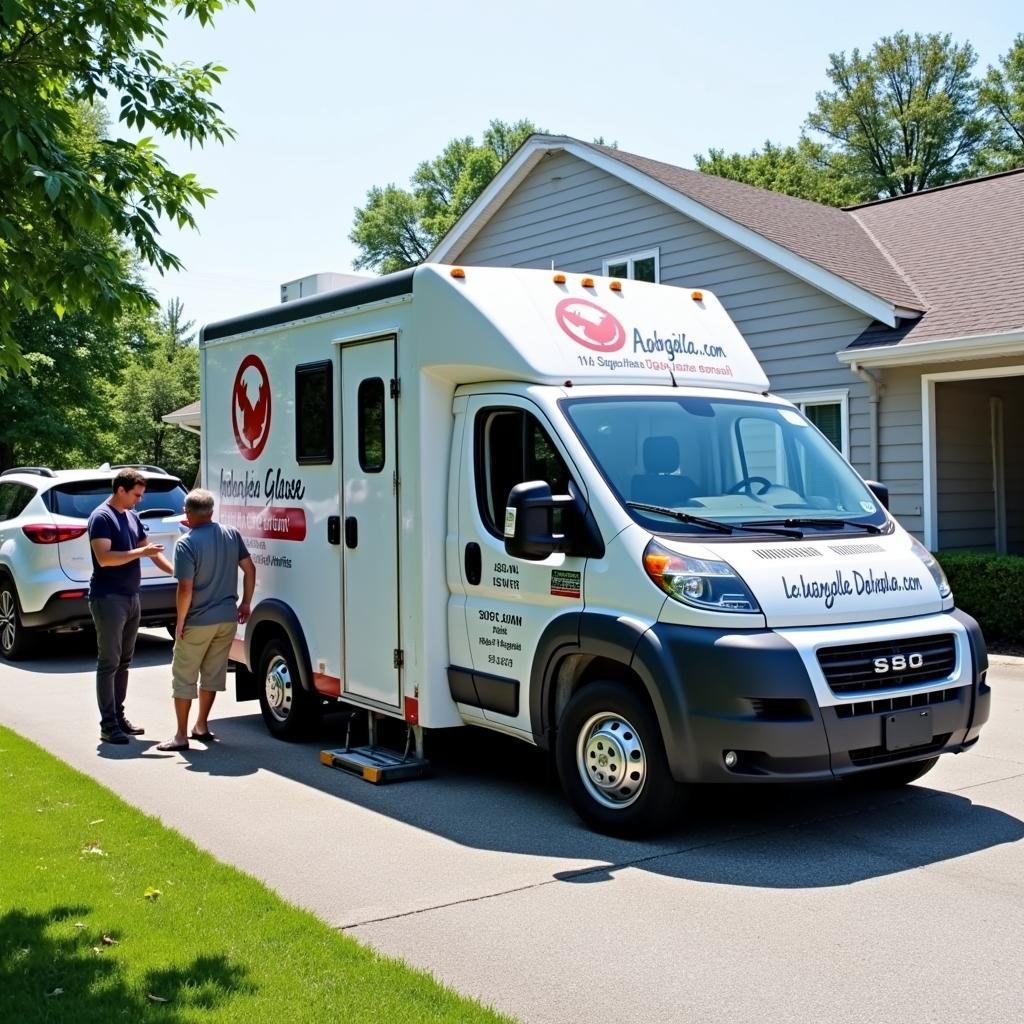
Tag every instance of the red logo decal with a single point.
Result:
(250, 407)
(589, 325)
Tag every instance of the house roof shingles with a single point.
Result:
(961, 246)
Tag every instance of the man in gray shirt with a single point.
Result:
(206, 564)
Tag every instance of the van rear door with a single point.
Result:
(370, 522)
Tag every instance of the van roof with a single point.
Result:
(497, 323)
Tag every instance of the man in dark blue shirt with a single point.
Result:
(118, 542)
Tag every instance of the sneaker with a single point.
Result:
(132, 730)
(115, 736)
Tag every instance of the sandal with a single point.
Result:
(171, 745)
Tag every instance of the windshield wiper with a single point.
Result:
(711, 524)
(807, 521)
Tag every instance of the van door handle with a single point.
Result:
(334, 529)
(351, 532)
(474, 566)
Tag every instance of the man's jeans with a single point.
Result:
(116, 618)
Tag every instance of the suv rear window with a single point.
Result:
(82, 496)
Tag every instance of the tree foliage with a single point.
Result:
(1002, 97)
(905, 115)
(59, 188)
(95, 392)
(397, 228)
(163, 376)
(806, 170)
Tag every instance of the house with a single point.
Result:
(898, 326)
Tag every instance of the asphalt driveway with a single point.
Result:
(768, 905)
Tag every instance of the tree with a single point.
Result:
(905, 115)
(56, 58)
(59, 411)
(397, 228)
(162, 376)
(1002, 97)
(806, 170)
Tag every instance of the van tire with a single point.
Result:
(288, 710)
(893, 776)
(17, 642)
(607, 736)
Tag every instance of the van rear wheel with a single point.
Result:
(288, 710)
(612, 764)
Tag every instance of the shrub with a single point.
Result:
(989, 587)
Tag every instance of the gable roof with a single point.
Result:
(824, 235)
(818, 244)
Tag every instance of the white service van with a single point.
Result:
(567, 509)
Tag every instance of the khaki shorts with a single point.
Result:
(202, 650)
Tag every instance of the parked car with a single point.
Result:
(45, 562)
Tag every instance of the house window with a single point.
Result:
(829, 412)
(638, 266)
(314, 413)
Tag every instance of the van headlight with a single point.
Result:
(932, 566)
(698, 581)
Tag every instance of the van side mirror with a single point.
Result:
(880, 491)
(529, 523)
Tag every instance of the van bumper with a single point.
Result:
(751, 693)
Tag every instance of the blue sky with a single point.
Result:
(330, 99)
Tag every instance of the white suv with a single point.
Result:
(45, 561)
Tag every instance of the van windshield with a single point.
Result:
(724, 461)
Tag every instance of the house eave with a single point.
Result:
(937, 350)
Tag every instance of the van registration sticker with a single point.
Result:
(565, 583)
(510, 522)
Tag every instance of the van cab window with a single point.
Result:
(743, 463)
(512, 448)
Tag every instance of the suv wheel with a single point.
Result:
(15, 639)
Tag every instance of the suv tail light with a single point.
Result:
(47, 533)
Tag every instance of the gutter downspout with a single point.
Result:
(875, 391)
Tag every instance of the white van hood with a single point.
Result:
(813, 582)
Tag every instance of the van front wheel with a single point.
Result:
(288, 710)
(612, 763)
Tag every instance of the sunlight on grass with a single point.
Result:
(105, 915)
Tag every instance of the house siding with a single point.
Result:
(573, 216)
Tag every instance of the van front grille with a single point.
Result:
(888, 664)
(883, 705)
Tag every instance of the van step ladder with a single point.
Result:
(378, 764)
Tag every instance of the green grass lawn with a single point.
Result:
(105, 915)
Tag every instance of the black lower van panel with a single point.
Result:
(480, 690)
(748, 693)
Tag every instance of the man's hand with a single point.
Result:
(152, 549)
(179, 629)
(244, 611)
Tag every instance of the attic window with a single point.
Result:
(637, 266)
